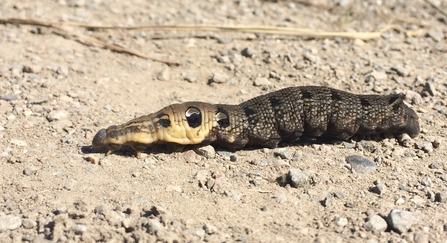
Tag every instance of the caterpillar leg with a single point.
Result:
(138, 148)
(112, 148)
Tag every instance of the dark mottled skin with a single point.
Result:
(314, 111)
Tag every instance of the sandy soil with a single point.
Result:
(56, 93)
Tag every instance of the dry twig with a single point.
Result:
(85, 39)
(59, 25)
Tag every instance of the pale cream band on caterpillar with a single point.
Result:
(266, 120)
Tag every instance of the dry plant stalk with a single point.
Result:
(58, 25)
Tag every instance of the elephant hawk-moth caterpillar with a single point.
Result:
(289, 113)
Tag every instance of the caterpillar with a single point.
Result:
(266, 120)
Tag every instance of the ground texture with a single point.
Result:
(57, 92)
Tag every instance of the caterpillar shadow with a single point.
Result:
(167, 148)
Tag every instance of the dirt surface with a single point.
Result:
(56, 93)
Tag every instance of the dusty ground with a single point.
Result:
(56, 93)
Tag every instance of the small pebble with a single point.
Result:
(108, 107)
(70, 185)
(236, 57)
(261, 82)
(425, 146)
(281, 197)
(9, 222)
(191, 156)
(223, 59)
(427, 181)
(401, 71)
(9, 97)
(298, 178)
(196, 231)
(375, 224)
(378, 188)
(436, 143)
(129, 223)
(436, 35)
(210, 183)
(400, 201)
(429, 87)
(284, 153)
(342, 221)
(190, 78)
(202, 176)
(207, 151)
(225, 154)
(431, 196)
(416, 199)
(420, 237)
(29, 223)
(401, 221)
(79, 228)
(32, 68)
(153, 226)
(57, 115)
(310, 57)
(236, 195)
(441, 196)
(339, 194)
(360, 164)
(247, 52)
(210, 228)
(378, 76)
(367, 145)
(223, 40)
(62, 69)
(164, 75)
(349, 145)
(327, 200)
(29, 171)
(100, 209)
(218, 78)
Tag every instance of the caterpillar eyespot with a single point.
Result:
(193, 117)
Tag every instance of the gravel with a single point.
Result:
(298, 178)
(232, 196)
(262, 82)
(57, 115)
(441, 196)
(310, 57)
(190, 78)
(191, 156)
(401, 71)
(284, 153)
(360, 164)
(10, 222)
(218, 78)
(9, 97)
(376, 75)
(401, 221)
(375, 223)
(164, 75)
(206, 151)
(378, 188)
(247, 52)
